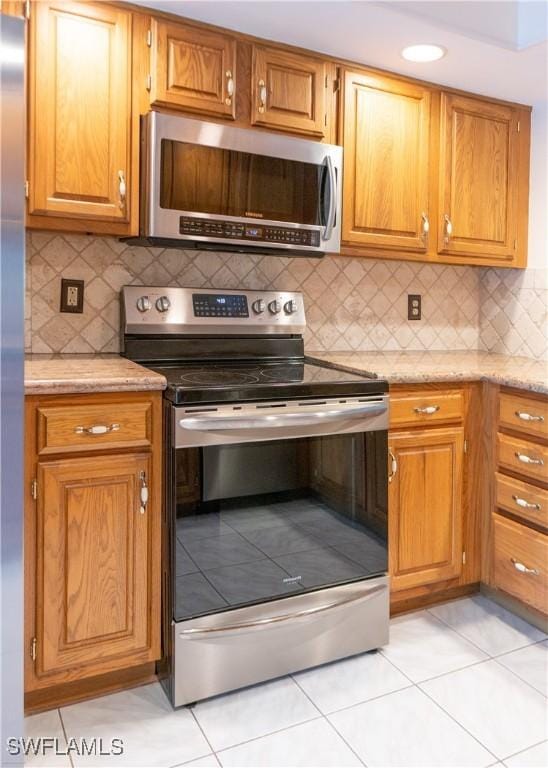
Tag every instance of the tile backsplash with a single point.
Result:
(514, 312)
(351, 303)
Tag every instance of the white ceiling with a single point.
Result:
(495, 47)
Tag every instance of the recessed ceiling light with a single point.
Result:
(424, 52)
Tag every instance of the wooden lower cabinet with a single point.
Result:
(425, 500)
(92, 553)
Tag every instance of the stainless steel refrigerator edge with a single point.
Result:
(12, 296)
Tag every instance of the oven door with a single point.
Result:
(276, 499)
(227, 174)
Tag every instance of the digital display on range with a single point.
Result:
(253, 231)
(219, 305)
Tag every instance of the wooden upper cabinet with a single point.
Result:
(93, 600)
(386, 163)
(425, 503)
(193, 69)
(478, 178)
(79, 112)
(288, 91)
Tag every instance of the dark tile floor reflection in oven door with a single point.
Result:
(257, 552)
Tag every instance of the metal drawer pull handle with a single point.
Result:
(524, 416)
(425, 225)
(448, 228)
(526, 504)
(229, 87)
(393, 465)
(122, 190)
(427, 409)
(187, 634)
(144, 492)
(97, 429)
(262, 95)
(525, 459)
(523, 568)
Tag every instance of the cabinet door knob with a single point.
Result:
(229, 87)
(393, 466)
(447, 228)
(143, 493)
(122, 190)
(97, 429)
(427, 409)
(526, 504)
(525, 459)
(523, 568)
(262, 95)
(524, 416)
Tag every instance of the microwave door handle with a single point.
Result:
(332, 176)
(215, 423)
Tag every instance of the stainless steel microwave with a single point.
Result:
(208, 185)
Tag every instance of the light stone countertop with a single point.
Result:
(408, 367)
(78, 374)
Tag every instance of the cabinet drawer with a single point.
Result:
(523, 500)
(529, 459)
(524, 414)
(520, 558)
(430, 407)
(73, 428)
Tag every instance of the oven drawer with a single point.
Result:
(74, 428)
(522, 499)
(260, 642)
(430, 407)
(524, 414)
(522, 457)
(520, 562)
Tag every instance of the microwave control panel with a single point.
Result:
(235, 230)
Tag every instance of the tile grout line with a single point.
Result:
(521, 679)
(515, 754)
(417, 685)
(191, 710)
(64, 733)
(324, 716)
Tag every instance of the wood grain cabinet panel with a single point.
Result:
(386, 163)
(523, 458)
(521, 499)
(79, 114)
(524, 414)
(288, 91)
(407, 410)
(425, 506)
(521, 562)
(478, 178)
(193, 69)
(93, 592)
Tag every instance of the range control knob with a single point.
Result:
(275, 307)
(163, 304)
(290, 307)
(258, 306)
(143, 304)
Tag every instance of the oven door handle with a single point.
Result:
(332, 176)
(247, 626)
(218, 422)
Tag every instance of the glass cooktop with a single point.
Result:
(214, 382)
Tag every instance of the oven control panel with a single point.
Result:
(194, 311)
(234, 230)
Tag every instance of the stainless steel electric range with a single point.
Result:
(275, 490)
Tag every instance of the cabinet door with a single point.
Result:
(194, 69)
(425, 506)
(386, 163)
(478, 189)
(289, 91)
(94, 557)
(80, 65)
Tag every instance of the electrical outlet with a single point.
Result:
(414, 306)
(72, 295)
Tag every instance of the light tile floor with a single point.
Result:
(462, 684)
